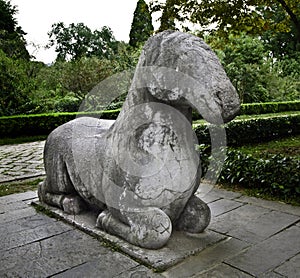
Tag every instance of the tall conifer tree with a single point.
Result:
(12, 41)
(141, 27)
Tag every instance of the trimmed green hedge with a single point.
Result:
(263, 108)
(239, 132)
(269, 107)
(248, 131)
(43, 124)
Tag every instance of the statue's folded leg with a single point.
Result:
(195, 216)
(70, 203)
(147, 227)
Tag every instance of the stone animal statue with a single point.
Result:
(140, 172)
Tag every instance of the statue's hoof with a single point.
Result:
(73, 204)
(195, 217)
(152, 228)
(103, 219)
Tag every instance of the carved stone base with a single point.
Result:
(180, 246)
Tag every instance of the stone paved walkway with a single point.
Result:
(262, 238)
(21, 161)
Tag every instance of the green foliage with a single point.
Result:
(77, 41)
(243, 59)
(63, 86)
(21, 140)
(257, 76)
(15, 85)
(80, 76)
(141, 27)
(12, 41)
(250, 16)
(276, 174)
(281, 27)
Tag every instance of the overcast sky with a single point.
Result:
(36, 17)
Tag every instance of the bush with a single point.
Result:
(67, 104)
(276, 174)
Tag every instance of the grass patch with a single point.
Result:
(289, 147)
(19, 187)
(20, 140)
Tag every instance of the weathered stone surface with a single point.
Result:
(58, 254)
(290, 268)
(207, 259)
(25, 223)
(26, 196)
(223, 205)
(14, 215)
(222, 271)
(94, 269)
(264, 226)
(268, 254)
(15, 239)
(271, 205)
(180, 246)
(220, 193)
(141, 172)
(138, 272)
(237, 218)
(271, 274)
(12, 206)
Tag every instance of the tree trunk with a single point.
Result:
(293, 17)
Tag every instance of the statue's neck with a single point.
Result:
(135, 98)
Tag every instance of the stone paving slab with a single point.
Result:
(39, 246)
(180, 246)
(264, 226)
(207, 259)
(269, 253)
(270, 205)
(222, 206)
(257, 239)
(223, 271)
(233, 220)
(290, 268)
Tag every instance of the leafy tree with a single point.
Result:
(243, 58)
(82, 75)
(15, 85)
(77, 40)
(141, 27)
(281, 35)
(257, 76)
(235, 16)
(12, 41)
